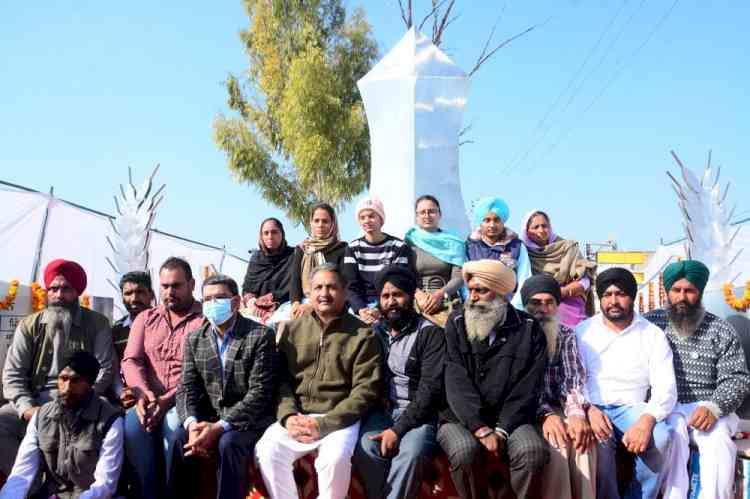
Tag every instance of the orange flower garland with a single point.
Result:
(85, 301)
(38, 297)
(739, 304)
(11, 296)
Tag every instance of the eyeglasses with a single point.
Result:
(431, 211)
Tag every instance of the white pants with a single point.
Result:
(276, 452)
(718, 454)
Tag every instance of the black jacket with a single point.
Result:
(494, 385)
(424, 368)
(335, 256)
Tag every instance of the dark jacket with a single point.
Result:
(508, 253)
(120, 333)
(70, 452)
(494, 385)
(424, 368)
(333, 371)
(269, 274)
(244, 397)
(335, 256)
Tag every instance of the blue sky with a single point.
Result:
(90, 88)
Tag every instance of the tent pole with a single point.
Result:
(42, 235)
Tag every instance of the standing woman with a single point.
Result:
(560, 258)
(492, 240)
(266, 284)
(438, 257)
(323, 246)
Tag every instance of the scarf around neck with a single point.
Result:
(443, 245)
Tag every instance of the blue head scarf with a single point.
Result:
(490, 204)
(443, 245)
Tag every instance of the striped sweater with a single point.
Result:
(363, 261)
(709, 366)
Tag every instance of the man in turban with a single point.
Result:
(493, 376)
(712, 380)
(625, 357)
(87, 462)
(41, 343)
(396, 444)
(562, 414)
(492, 240)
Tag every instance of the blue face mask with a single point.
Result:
(217, 311)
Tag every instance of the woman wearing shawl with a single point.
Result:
(438, 257)
(266, 282)
(560, 258)
(323, 246)
(492, 240)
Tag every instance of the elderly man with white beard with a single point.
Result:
(493, 377)
(41, 343)
(571, 470)
(712, 381)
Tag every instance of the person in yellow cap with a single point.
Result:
(494, 367)
(712, 381)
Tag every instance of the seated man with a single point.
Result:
(76, 439)
(151, 366)
(625, 356)
(572, 466)
(493, 374)
(396, 445)
(239, 386)
(41, 343)
(330, 364)
(712, 381)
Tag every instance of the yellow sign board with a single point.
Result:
(622, 257)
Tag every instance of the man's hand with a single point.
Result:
(156, 412)
(128, 398)
(638, 436)
(194, 431)
(208, 438)
(388, 442)
(28, 413)
(369, 315)
(553, 429)
(492, 442)
(600, 423)
(302, 428)
(702, 419)
(580, 432)
(142, 406)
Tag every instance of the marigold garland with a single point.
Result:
(739, 304)
(85, 301)
(38, 297)
(7, 302)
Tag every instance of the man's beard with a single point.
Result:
(482, 316)
(551, 327)
(684, 317)
(59, 319)
(627, 315)
(397, 317)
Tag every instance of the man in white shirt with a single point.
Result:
(76, 440)
(625, 357)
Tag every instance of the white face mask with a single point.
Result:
(218, 311)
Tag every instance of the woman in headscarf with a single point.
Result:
(492, 240)
(560, 258)
(438, 257)
(322, 246)
(266, 283)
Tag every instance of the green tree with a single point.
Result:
(300, 133)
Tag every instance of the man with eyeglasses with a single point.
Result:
(225, 401)
(41, 343)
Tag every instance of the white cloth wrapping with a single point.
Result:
(276, 452)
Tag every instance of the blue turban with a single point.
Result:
(490, 204)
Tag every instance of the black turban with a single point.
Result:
(540, 283)
(84, 364)
(399, 276)
(622, 278)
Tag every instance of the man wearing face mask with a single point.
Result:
(712, 381)
(41, 343)
(151, 366)
(230, 363)
(395, 445)
(75, 439)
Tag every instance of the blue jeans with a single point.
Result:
(401, 475)
(650, 466)
(141, 448)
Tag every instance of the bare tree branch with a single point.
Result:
(437, 36)
(406, 12)
(433, 13)
(484, 56)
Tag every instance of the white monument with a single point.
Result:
(414, 99)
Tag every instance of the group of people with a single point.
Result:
(375, 355)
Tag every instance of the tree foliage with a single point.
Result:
(300, 133)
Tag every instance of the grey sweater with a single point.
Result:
(434, 273)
